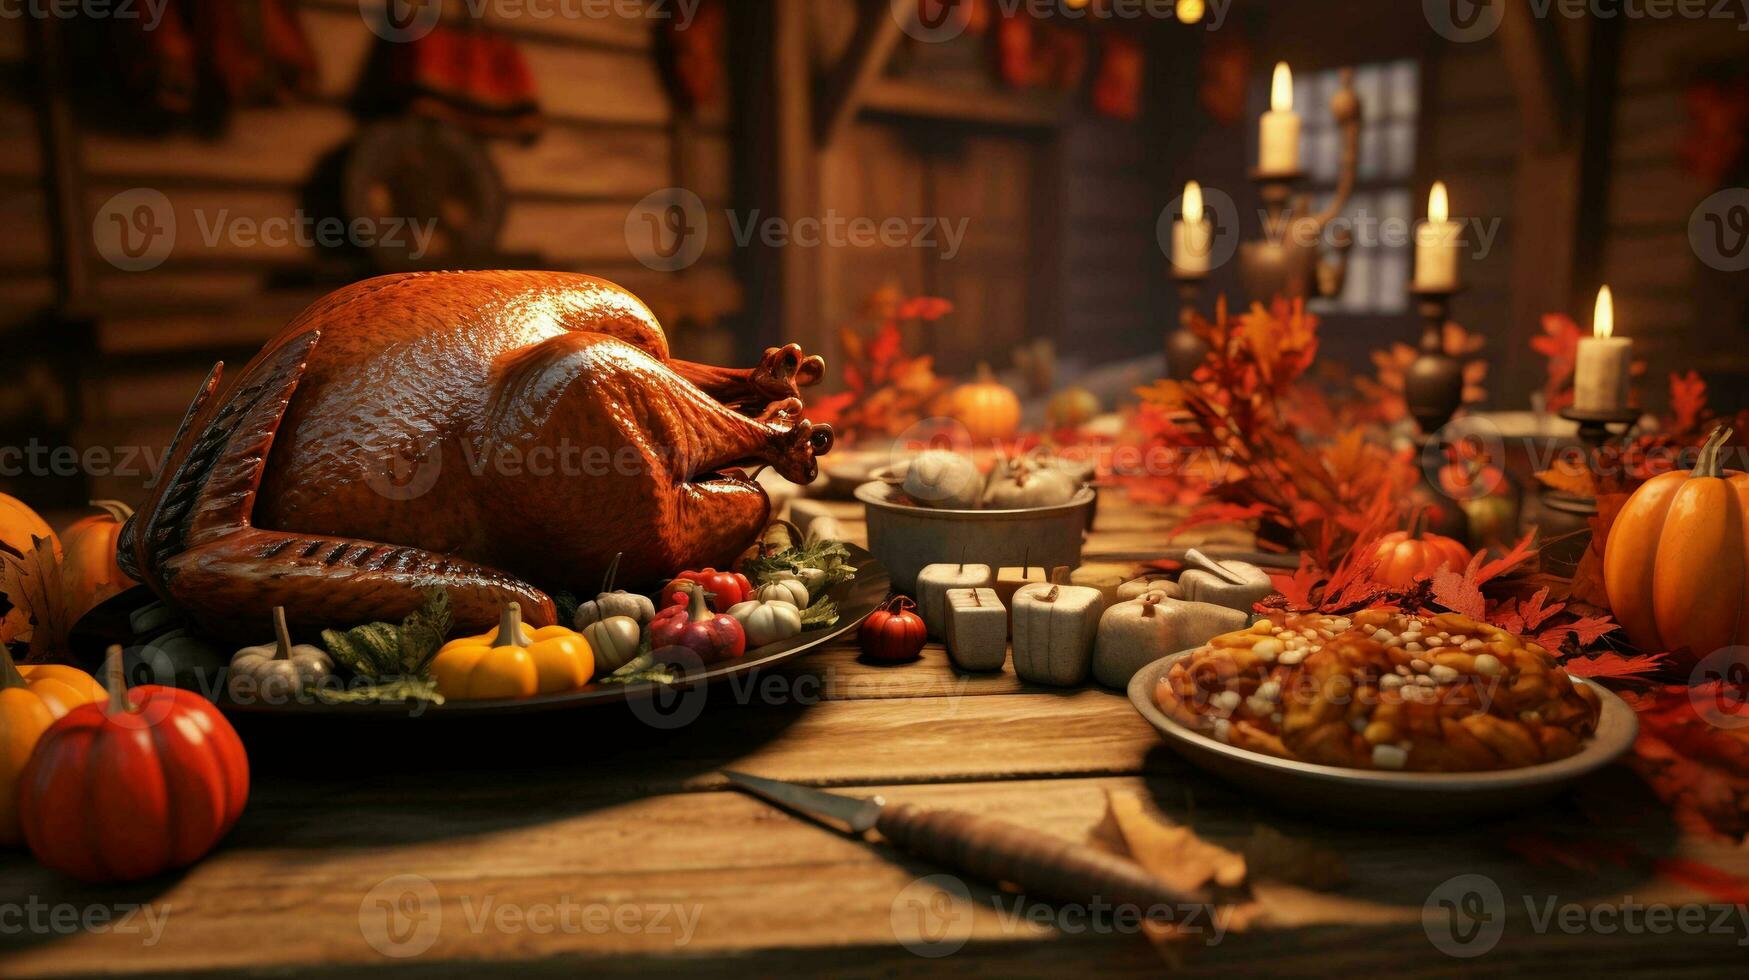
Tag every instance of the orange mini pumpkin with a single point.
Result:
(987, 408)
(1405, 556)
(1676, 565)
(88, 566)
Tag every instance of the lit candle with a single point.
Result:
(1191, 235)
(1436, 245)
(1279, 131)
(1600, 378)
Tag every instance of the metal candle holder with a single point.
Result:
(1287, 261)
(1565, 517)
(1185, 351)
(1595, 431)
(1433, 390)
(1433, 385)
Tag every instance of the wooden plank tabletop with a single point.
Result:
(596, 842)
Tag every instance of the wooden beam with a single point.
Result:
(842, 91)
(1541, 74)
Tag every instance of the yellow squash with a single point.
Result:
(513, 661)
(31, 699)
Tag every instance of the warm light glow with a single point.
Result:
(1189, 11)
(1438, 207)
(1603, 321)
(1192, 201)
(1281, 93)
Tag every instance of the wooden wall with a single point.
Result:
(1058, 204)
(611, 139)
(1681, 313)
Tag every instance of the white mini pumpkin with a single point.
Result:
(767, 620)
(1027, 486)
(614, 641)
(274, 672)
(1136, 633)
(610, 602)
(784, 588)
(945, 479)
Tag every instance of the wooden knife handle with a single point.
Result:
(1041, 864)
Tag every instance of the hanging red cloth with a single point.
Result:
(466, 75)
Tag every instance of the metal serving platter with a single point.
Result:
(855, 598)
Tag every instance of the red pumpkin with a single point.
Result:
(894, 633)
(689, 625)
(128, 788)
(1405, 556)
(726, 588)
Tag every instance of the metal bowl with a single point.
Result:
(906, 537)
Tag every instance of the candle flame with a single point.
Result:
(1192, 201)
(1281, 92)
(1603, 321)
(1438, 205)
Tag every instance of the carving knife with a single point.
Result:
(993, 850)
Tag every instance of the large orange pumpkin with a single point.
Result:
(19, 525)
(1405, 556)
(1676, 564)
(88, 568)
(987, 408)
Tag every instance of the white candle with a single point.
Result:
(1192, 235)
(1436, 245)
(1600, 378)
(1278, 135)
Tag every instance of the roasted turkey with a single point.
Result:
(499, 434)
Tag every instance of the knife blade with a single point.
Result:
(993, 850)
(857, 813)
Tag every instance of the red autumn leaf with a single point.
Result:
(1560, 344)
(1589, 629)
(1688, 400)
(1699, 770)
(1297, 589)
(885, 347)
(1521, 552)
(1461, 592)
(1609, 665)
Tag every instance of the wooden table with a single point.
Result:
(596, 842)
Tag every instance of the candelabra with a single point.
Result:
(1288, 260)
